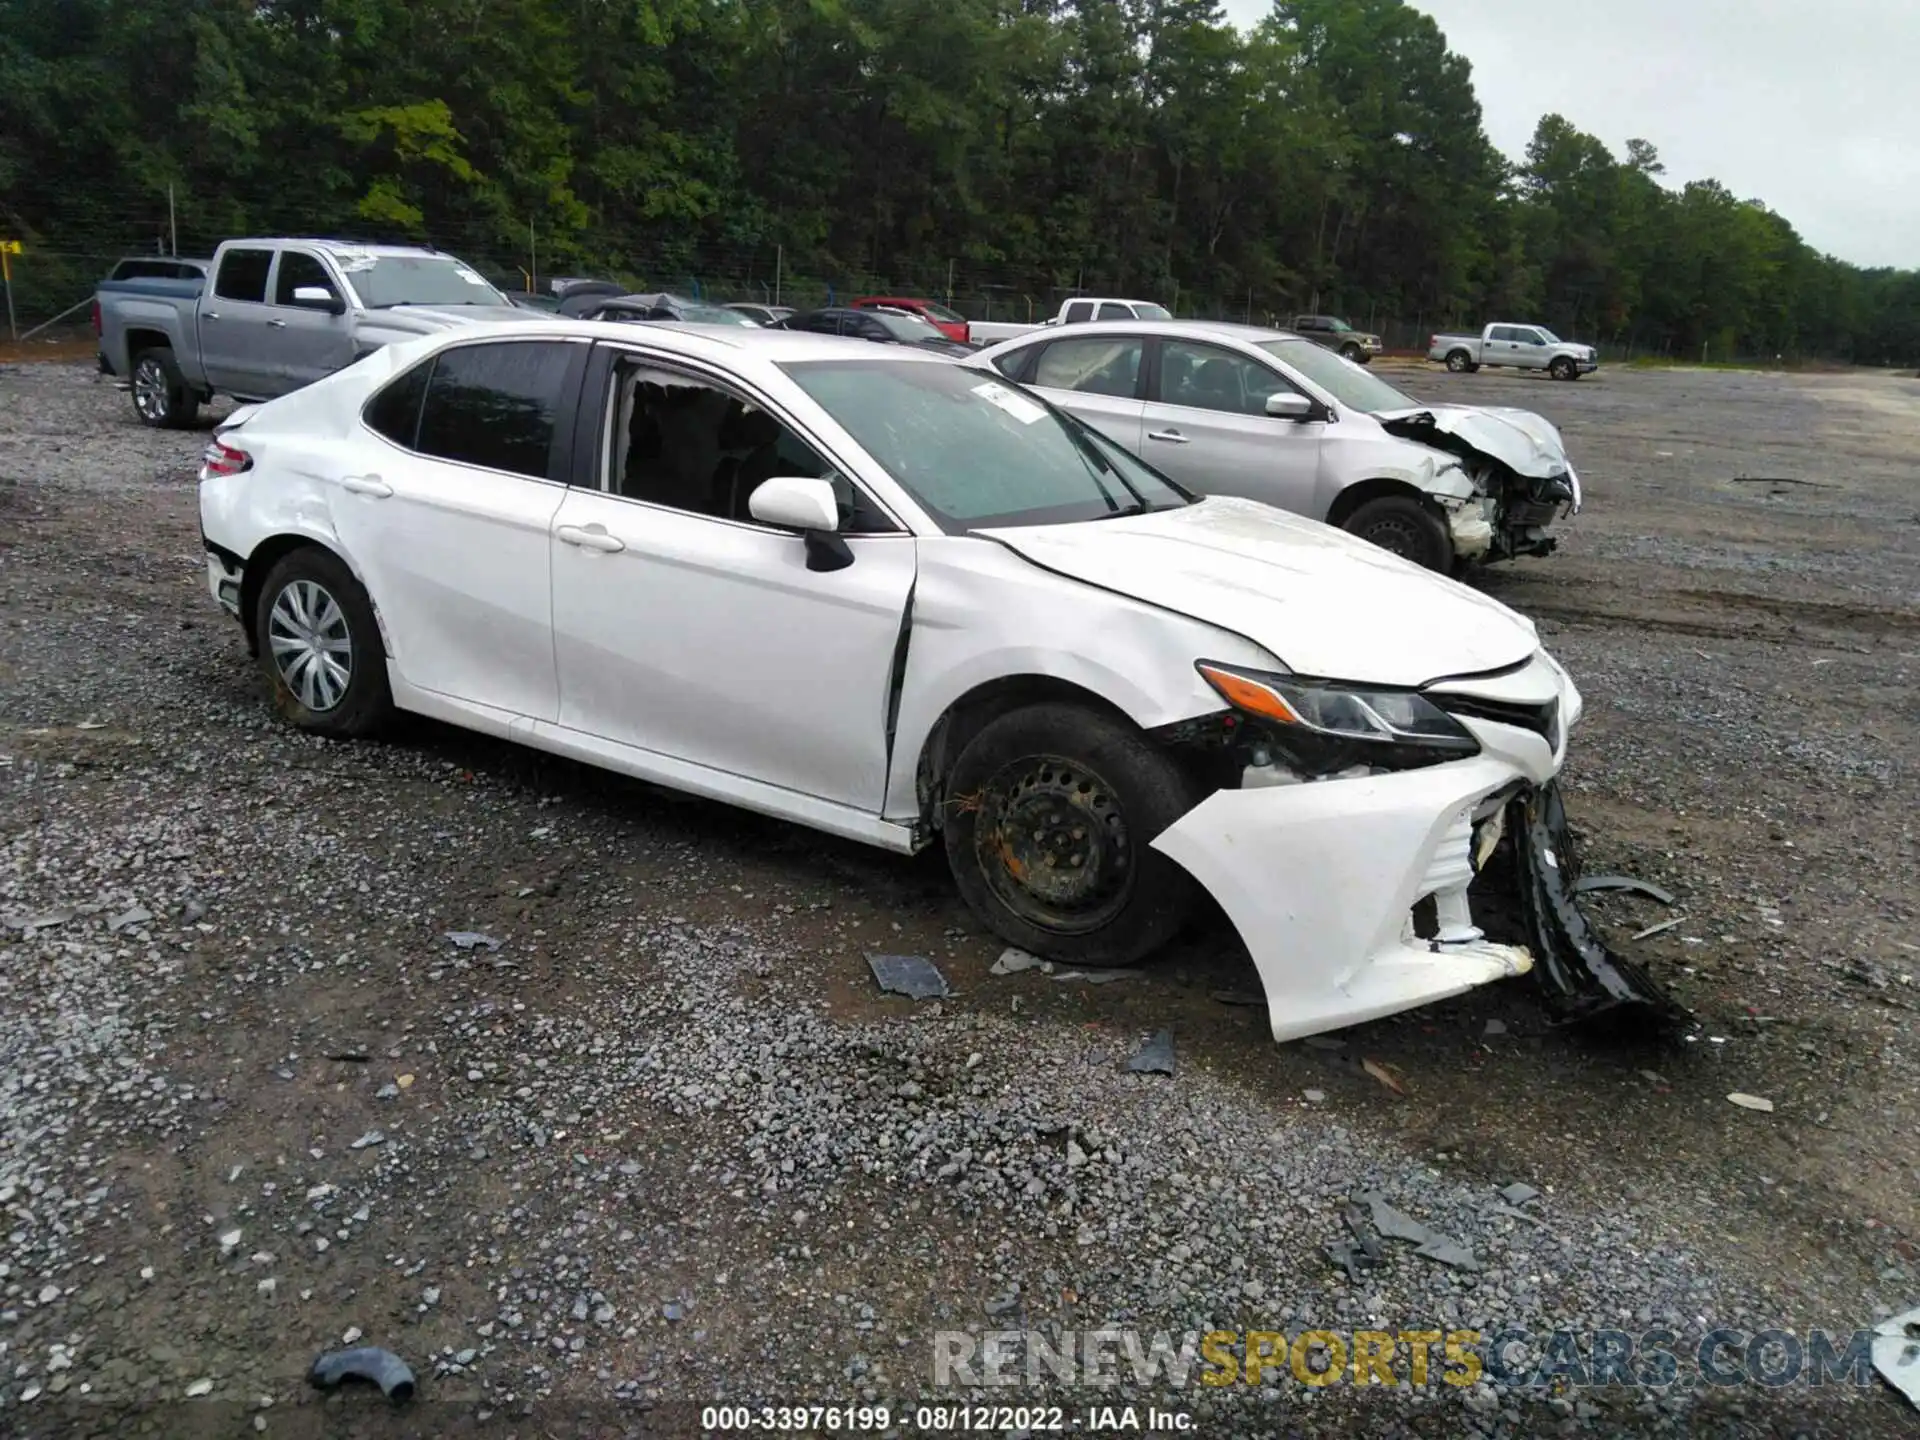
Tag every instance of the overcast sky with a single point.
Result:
(1810, 108)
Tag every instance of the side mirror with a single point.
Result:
(795, 502)
(1289, 405)
(318, 297)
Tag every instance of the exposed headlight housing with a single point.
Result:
(1322, 726)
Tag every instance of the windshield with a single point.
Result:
(1547, 335)
(382, 281)
(910, 328)
(1148, 311)
(1344, 381)
(1334, 322)
(977, 452)
(942, 313)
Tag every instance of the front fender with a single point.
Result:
(1134, 656)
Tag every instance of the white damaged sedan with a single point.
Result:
(897, 600)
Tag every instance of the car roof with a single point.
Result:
(720, 343)
(344, 247)
(1164, 329)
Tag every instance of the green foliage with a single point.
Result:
(1331, 158)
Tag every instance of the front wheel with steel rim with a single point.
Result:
(1049, 816)
(160, 395)
(1561, 369)
(320, 646)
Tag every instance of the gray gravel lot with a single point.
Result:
(666, 1146)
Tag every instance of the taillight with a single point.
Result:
(221, 458)
(96, 317)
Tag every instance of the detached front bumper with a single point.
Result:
(1321, 878)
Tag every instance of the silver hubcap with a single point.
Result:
(311, 644)
(150, 390)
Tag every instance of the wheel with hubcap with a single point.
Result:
(1406, 527)
(1562, 368)
(1051, 811)
(1459, 362)
(1353, 353)
(160, 394)
(320, 646)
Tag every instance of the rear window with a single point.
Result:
(243, 275)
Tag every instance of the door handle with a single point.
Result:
(276, 324)
(211, 315)
(593, 537)
(366, 485)
(1172, 437)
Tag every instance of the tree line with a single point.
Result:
(1331, 158)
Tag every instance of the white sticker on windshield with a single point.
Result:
(467, 275)
(1018, 406)
(353, 264)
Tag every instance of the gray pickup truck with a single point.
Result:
(276, 315)
(1523, 347)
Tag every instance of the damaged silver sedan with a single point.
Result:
(1270, 416)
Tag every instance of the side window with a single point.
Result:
(395, 411)
(1506, 332)
(495, 405)
(1530, 337)
(243, 275)
(1207, 378)
(297, 270)
(1016, 363)
(1106, 365)
(1078, 311)
(1111, 311)
(679, 442)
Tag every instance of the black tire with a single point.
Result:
(161, 397)
(1562, 368)
(365, 703)
(1407, 528)
(1353, 353)
(1017, 797)
(1460, 363)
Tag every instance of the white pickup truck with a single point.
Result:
(1074, 312)
(278, 314)
(1523, 347)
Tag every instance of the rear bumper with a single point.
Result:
(224, 579)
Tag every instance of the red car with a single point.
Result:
(953, 326)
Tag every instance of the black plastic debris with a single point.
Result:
(1432, 1245)
(911, 975)
(367, 1363)
(1589, 883)
(1584, 975)
(1361, 1253)
(1155, 1057)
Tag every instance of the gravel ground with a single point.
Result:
(665, 1146)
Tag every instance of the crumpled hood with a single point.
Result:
(1325, 603)
(1523, 441)
(404, 322)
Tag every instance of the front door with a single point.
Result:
(449, 522)
(1096, 377)
(1205, 424)
(306, 343)
(684, 627)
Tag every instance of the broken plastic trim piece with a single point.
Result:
(364, 1362)
(1585, 977)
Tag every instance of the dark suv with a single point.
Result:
(1335, 334)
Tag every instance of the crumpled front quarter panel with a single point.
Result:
(980, 614)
